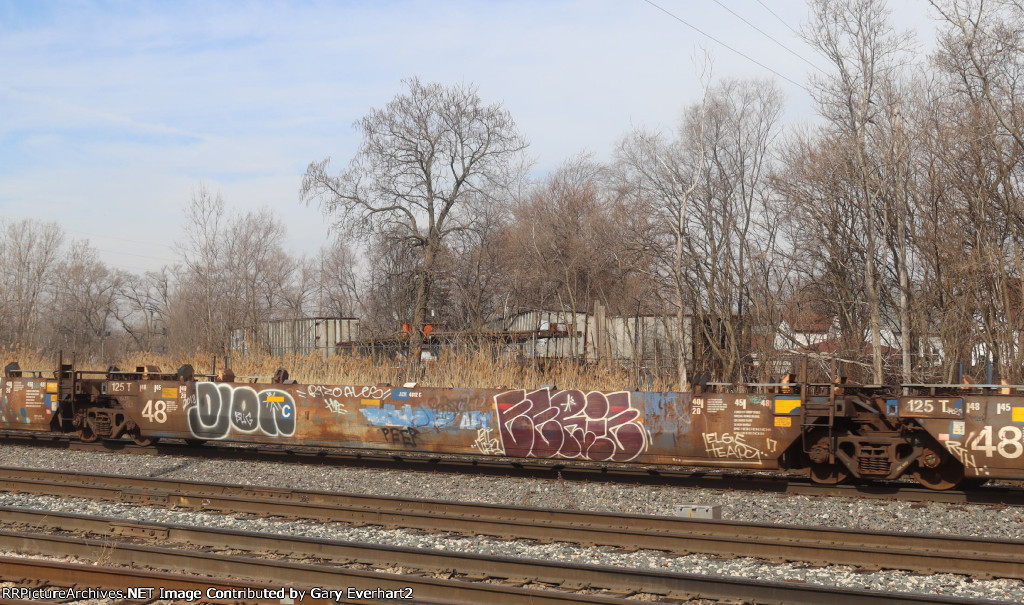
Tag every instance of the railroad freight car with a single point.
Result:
(943, 435)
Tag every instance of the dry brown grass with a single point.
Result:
(466, 367)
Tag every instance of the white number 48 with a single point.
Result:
(155, 412)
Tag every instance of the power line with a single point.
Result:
(714, 39)
(778, 17)
(769, 36)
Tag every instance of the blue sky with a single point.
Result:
(112, 113)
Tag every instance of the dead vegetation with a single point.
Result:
(469, 368)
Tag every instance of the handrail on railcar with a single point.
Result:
(969, 388)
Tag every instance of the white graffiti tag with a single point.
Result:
(729, 445)
(487, 443)
(965, 456)
(336, 407)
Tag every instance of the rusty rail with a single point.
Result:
(916, 552)
(209, 568)
(48, 581)
(305, 577)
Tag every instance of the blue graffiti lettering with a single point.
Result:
(475, 420)
(388, 415)
(407, 416)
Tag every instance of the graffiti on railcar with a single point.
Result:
(214, 410)
(423, 416)
(965, 457)
(486, 443)
(735, 446)
(570, 424)
(405, 437)
(343, 392)
(5, 411)
(335, 407)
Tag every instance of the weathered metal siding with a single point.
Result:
(598, 336)
(634, 338)
(569, 346)
(624, 426)
(27, 403)
(984, 432)
(746, 430)
(321, 335)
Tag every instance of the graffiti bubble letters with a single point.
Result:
(728, 445)
(570, 424)
(216, 409)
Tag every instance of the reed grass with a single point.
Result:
(469, 367)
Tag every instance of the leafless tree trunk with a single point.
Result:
(29, 255)
(866, 53)
(421, 158)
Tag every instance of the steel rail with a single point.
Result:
(440, 590)
(42, 574)
(284, 573)
(930, 553)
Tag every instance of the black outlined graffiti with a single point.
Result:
(216, 409)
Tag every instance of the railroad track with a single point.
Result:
(430, 576)
(756, 481)
(979, 557)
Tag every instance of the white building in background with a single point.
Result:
(592, 336)
(322, 335)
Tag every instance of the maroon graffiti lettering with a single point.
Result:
(570, 424)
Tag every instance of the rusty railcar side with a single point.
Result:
(740, 430)
(29, 404)
(976, 432)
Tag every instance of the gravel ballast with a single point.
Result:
(877, 515)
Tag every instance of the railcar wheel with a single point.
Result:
(85, 435)
(947, 475)
(828, 474)
(139, 439)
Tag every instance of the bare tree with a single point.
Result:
(475, 262)
(422, 158)
(234, 274)
(662, 176)
(143, 301)
(984, 46)
(84, 303)
(866, 54)
(203, 252)
(981, 61)
(256, 269)
(338, 288)
(29, 254)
